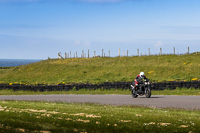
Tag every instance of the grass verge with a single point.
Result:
(99, 70)
(178, 91)
(65, 117)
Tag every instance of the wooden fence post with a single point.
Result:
(119, 52)
(160, 51)
(88, 53)
(94, 53)
(60, 56)
(149, 52)
(138, 52)
(82, 54)
(174, 51)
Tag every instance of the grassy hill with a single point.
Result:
(96, 70)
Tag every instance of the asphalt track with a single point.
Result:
(156, 101)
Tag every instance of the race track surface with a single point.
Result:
(157, 101)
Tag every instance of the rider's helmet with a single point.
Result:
(142, 74)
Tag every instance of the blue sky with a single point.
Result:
(38, 29)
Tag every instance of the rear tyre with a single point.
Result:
(134, 94)
(148, 93)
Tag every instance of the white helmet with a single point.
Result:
(142, 74)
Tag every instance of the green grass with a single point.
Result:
(97, 70)
(47, 117)
(64, 117)
(178, 91)
(82, 91)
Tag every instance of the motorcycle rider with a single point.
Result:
(139, 79)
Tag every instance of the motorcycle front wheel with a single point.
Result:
(148, 93)
(134, 94)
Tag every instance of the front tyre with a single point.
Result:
(148, 93)
(134, 94)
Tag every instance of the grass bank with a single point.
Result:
(178, 91)
(64, 117)
(98, 70)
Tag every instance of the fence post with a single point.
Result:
(127, 53)
(149, 51)
(88, 53)
(188, 50)
(174, 51)
(65, 55)
(82, 54)
(160, 51)
(76, 55)
(138, 52)
(102, 52)
(109, 53)
(94, 53)
(123, 53)
(119, 52)
(60, 56)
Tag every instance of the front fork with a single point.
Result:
(134, 88)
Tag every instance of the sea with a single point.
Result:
(16, 62)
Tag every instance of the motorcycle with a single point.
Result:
(142, 89)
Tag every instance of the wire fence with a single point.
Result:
(104, 86)
(89, 54)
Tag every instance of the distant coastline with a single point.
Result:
(16, 62)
